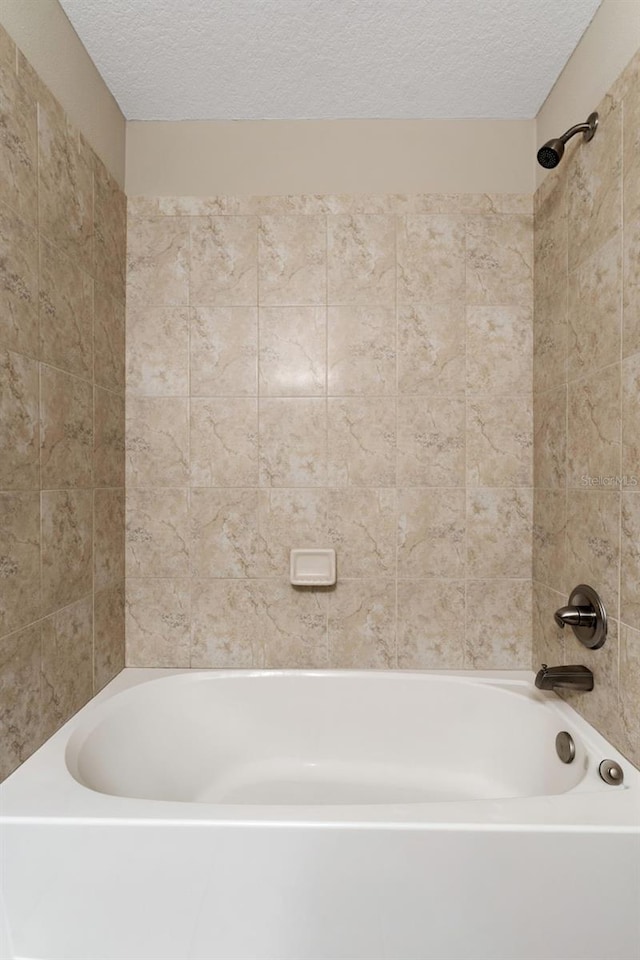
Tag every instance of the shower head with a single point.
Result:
(550, 153)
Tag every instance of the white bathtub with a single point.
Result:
(320, 816)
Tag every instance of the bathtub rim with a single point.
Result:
(43, 789)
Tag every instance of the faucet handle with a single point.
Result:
(586, 615)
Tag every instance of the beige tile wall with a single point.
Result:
(62, 369)
(350, 372)
(587, 406)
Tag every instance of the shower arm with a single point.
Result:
(577, 128)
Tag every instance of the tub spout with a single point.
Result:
(574, 677)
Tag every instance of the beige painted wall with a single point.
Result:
(43, 33)
(604, 51)
(205, 158)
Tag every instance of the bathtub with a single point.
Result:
(220, 815)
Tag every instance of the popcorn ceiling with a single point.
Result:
(329, 59)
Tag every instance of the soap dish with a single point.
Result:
(313, 568)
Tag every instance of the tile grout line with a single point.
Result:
(621, 397)
(328, 640)
(466, 457)
(189, 428)
(397, 221)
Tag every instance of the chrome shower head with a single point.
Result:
(550, 153)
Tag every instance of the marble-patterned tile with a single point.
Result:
(158, 352)
(499, 449)
(110, 244)
(19, 560)
(18, 284)
(431, 624)
(224, 533)
(550, 438)
(361, 351)
(595, 188)
(108, 340)
(293, 351)
(293, 442)
(20, 720)
(630, 559)
(65, 186)
(185, 206)
(31, 81)
(292, 260)
(224, 261)
(158, 623)
(431, 259)
(630, 91)
(108, 537)
(67, 663)
(630, 693)
(631, 284)
(631, 212)
(146, 208)
(361, 527)
(7, 52)
(549, 531)
(294, 625)
(431, 442)
(66, 430)
(550, 338)
(499, 350)
(157, 534)
(227, 624)
(431, 348)
(18, 147)
(224, 351)
(601, 706)
(505, 605)
(548, 637)
(551, 237)
(595, 310)
(362, 624)
(361, 260)
(157, 442)
(499, 523)
(631, 417)
(66, 313)
(19, 422)
(593, 542)
(593, 428)
(431, 533)
(224, 442)
(499, 253)
(158, 262)
(108, 439)
(361, 441)
(108, 635)
(67, 547)
(289, 519)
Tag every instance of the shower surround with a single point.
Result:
(330, 371)
(62, 314)
(587, 407)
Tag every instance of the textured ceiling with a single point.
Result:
(291, 59)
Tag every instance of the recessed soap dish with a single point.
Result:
(313, 568)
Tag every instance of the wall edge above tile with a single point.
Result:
(46, 38)
(274, 157)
